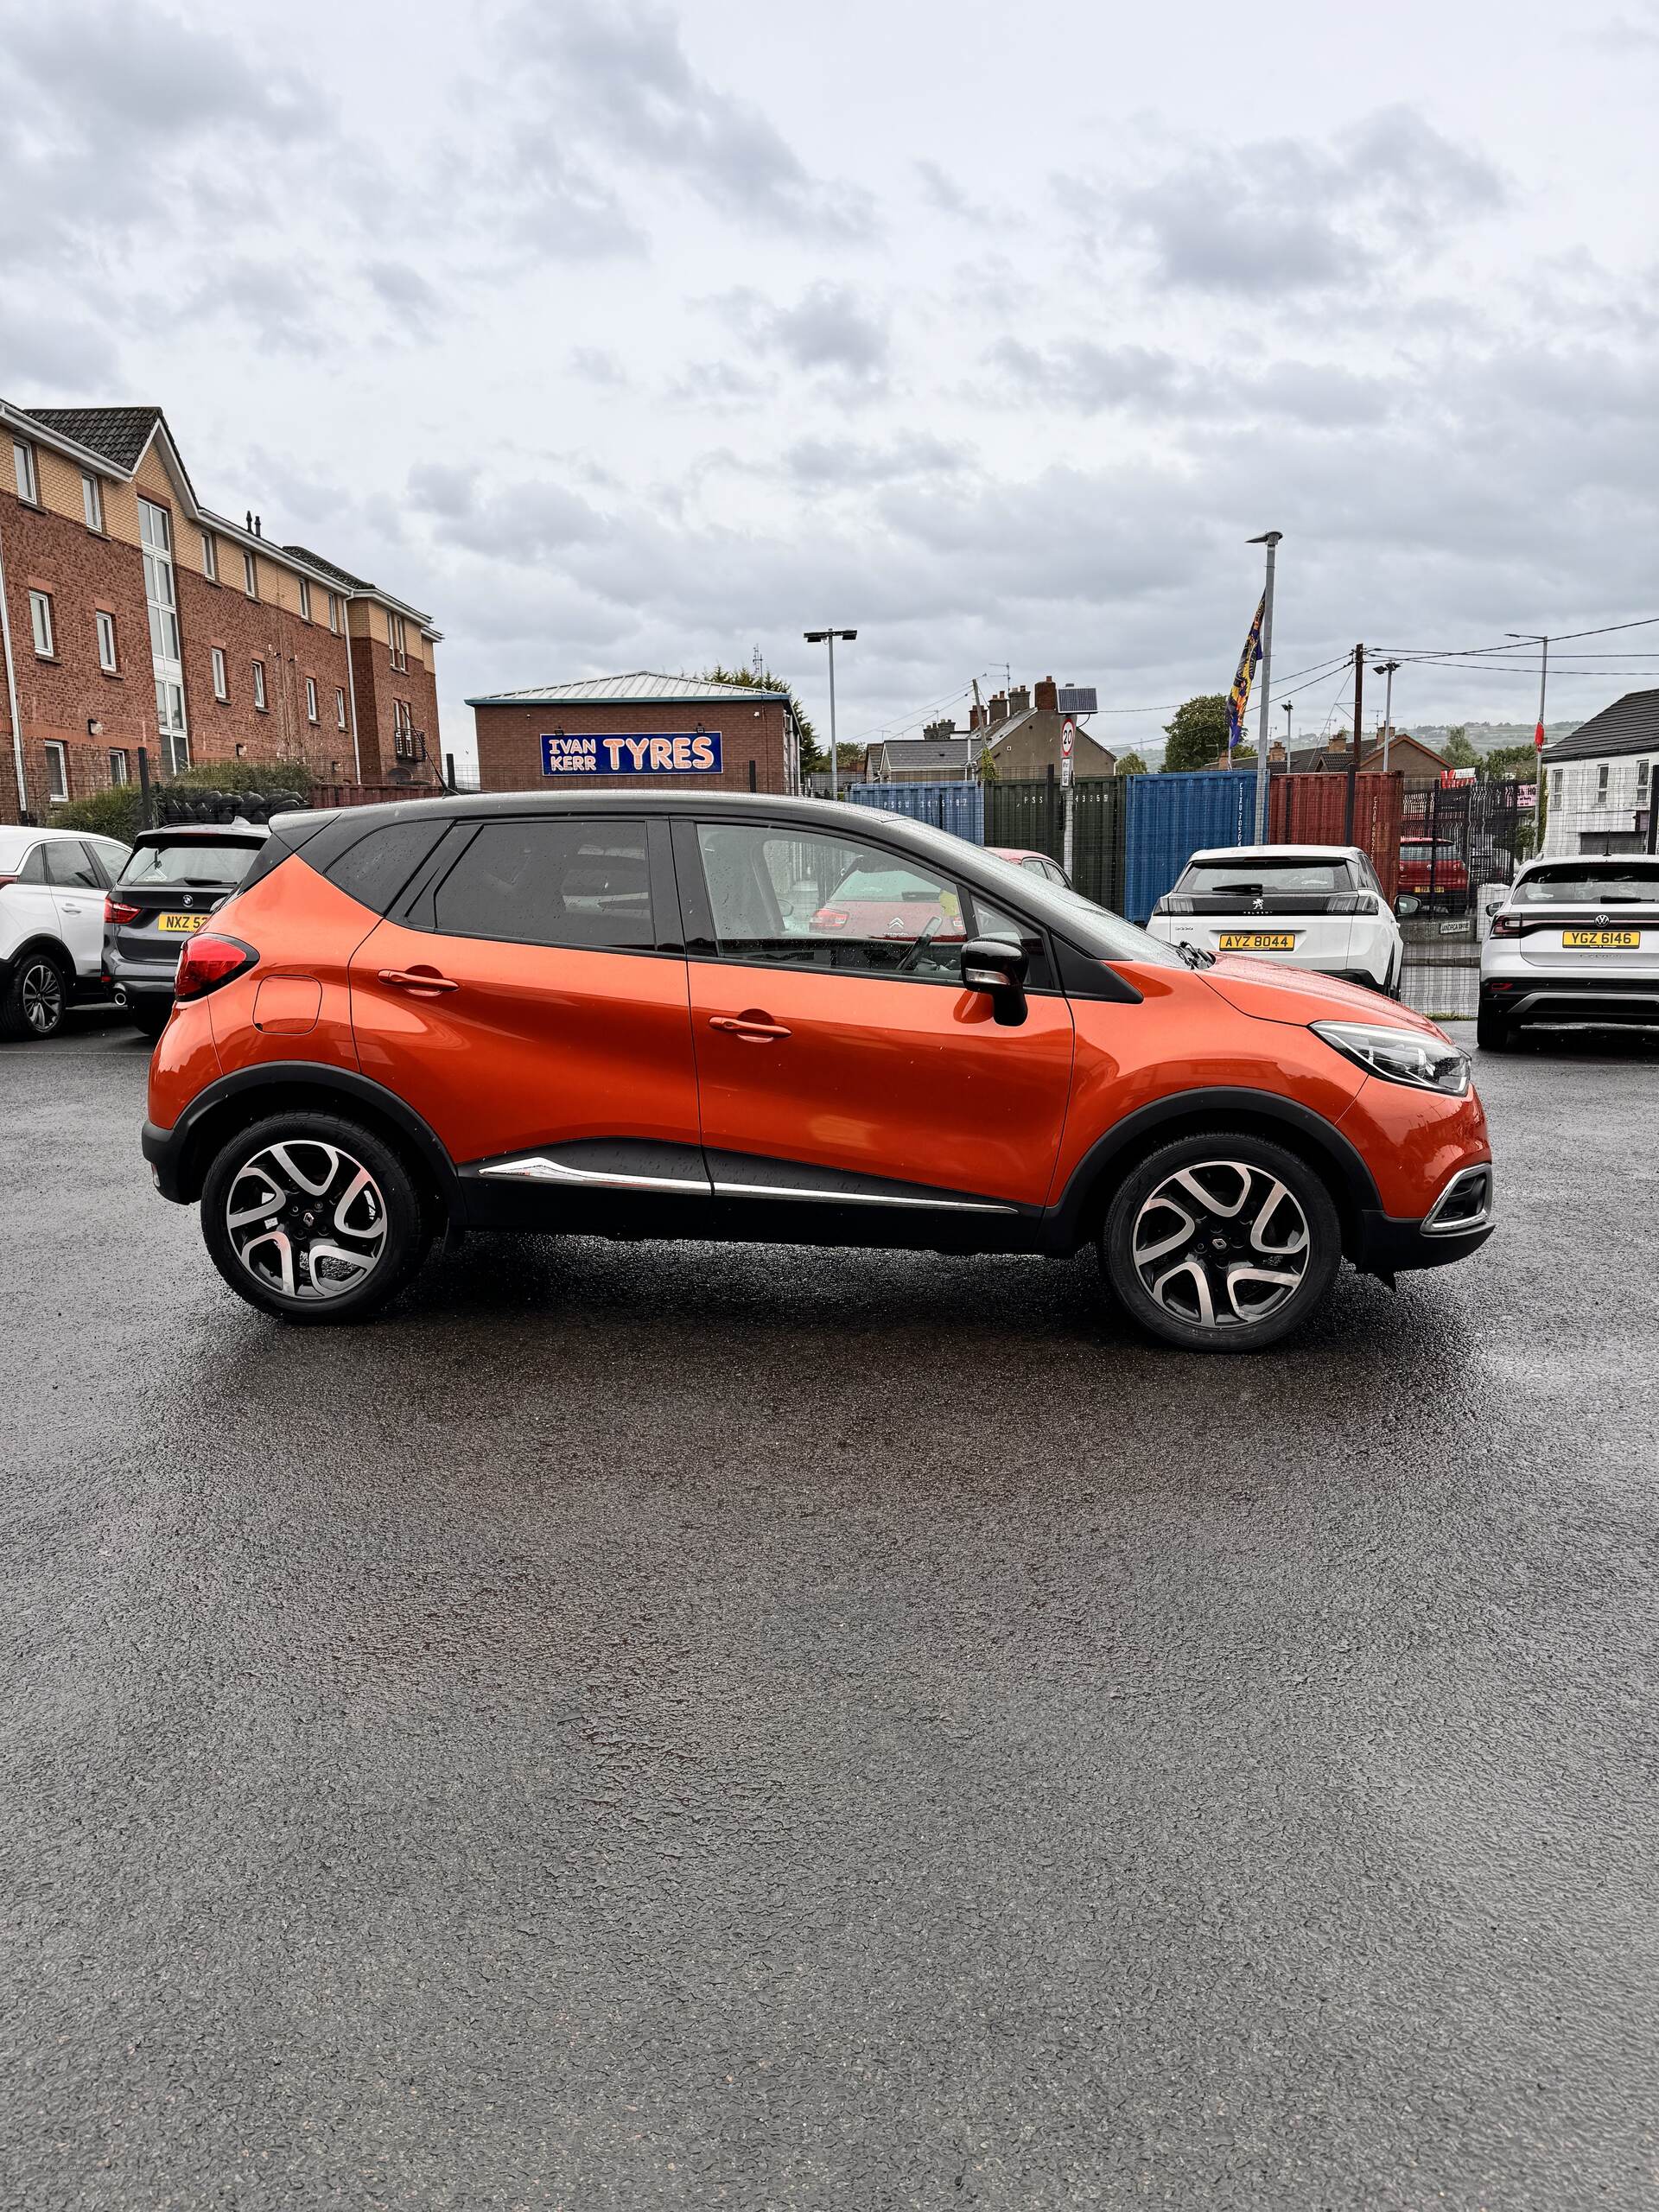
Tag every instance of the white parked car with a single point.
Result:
(52, 884)
(1316, 907)
(1575, 940)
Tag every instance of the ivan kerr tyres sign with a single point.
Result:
(657, 753)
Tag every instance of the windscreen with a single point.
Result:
(198, 861)
(1260, 872)
(1615, 883)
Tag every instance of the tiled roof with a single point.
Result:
(329, 567)
(1630, 725)
(922, 752)
(641, 687)
(120, 433)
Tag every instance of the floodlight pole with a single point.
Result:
(1541, 803)
(1386, 668)
(823, 637)
(1270, 538)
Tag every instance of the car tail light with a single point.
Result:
(5, 880)
(1350, 902)
(1174, 906)
(831, 918)
(1507, 926)
(117, 910)
(208, 962)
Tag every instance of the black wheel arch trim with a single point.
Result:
(174, 1153)
(1355, 1189)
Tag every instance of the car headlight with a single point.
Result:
(1399, 1055)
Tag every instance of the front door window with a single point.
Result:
(817, 902)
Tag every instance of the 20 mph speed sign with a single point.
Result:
(1068, 740)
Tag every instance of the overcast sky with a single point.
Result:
(626, 336)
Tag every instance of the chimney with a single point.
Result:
(258, 527)
(999, 712)
(250, 522)
(1019, 699)
(1048, 696)
(1276, 753)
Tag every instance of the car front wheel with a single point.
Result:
(313, 1217)
(1221, 1242)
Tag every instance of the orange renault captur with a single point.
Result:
(675, 1016)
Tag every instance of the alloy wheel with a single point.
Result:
(42, 997)
(1221, 1244)
(306, 1219)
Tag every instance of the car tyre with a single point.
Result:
(1492, 1033)
(149, 1017)
(345, 1230)
(36, 999)
(1221, 1242)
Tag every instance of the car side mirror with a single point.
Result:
(991, 964)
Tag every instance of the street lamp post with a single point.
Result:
(1270, 538)
(827, 637)
(1386, 668)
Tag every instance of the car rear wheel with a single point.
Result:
(149, 1016)
(35, 1000)
(313, 1217)
(1221, 1242)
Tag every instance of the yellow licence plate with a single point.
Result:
(1600, 940)
(181, 924)
(1257, 941)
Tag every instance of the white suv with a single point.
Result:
(1575, 940)
(1316, 907)
(52, 884)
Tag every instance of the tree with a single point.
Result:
(1457, 752)
(1131, 764)
(1509, 763)
(1197, 736)
(813, 757)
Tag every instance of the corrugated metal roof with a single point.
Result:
(641, 687)
(1630, 725)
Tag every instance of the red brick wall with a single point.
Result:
(379, 687)
(291, 649)
(56, 699)
(509, 744)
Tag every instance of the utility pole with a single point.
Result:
(1270, 538)
(1353, 747)
(1386, 668)
(822, 638)
(1538, 638)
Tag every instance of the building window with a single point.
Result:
(40, 618)
(305, 600)
(92, 502)
(221, 675)
(241, 752)
(1643, 768)
(310, 698)
(333, 612)
(210, 557)
(250, 576)
(57, 771)
(259, 685)
(23, 463)
(399, 637)
(169, 720)
(1601, 784)
(119, 769)
(340, 708)
(1554, 786)
(107, 660)
(402, 735)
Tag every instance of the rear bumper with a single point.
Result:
(164, 1149)
(1543, 996)
(146, 979)
(1458, 1223)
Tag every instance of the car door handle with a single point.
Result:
(72, 907)
(416, 979)
(753, 1028)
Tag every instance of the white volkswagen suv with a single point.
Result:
(1318, 906)
(1575, 940)
(52, 884)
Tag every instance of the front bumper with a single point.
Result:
(1460, 1220)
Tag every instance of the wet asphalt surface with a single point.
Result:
(677, 1726)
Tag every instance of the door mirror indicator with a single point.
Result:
(998, 969)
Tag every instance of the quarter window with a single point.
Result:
(221, 677)
(39, 623)
(259, 685)
(57, 771)
(777, 897)
(92, 502)
(22, 465)
(107, 660)
(548, 882)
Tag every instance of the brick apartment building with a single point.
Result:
(134, 616)
(520, 731)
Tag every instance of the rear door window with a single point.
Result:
(69, 866)
(578, 883)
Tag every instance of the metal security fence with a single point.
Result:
(1031, 817)
(959, 808)
(1460, 845)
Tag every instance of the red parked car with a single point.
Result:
(1434, 877)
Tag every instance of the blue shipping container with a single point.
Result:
(959, 808)
(1169, 818)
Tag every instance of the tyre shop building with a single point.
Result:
(674, 732)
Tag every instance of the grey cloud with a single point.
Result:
(1282, 215)
(529, 520)
(549, 203)
(828, 329)
(413, 304)
(623, 79)
(1084, 376)
(941, 190)
(63, 355)
(832, 464)
(279, 305)
(599, 365)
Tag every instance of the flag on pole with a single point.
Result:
(1238, 698)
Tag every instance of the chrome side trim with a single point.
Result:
(537, 1168)
(859, 1199)
(1434, 1226)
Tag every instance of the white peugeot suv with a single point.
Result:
(1316, 907)
(1575, 940)
(52, 884)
